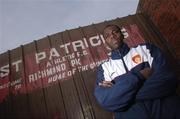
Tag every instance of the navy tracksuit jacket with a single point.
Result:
(132, 96)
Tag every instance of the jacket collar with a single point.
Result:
(120, 52)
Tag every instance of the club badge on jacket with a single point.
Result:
(137, 59)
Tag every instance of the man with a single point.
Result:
(137, 82)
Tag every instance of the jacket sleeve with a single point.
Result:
(121, 94)
(163, 80)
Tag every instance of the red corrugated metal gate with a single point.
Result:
(54, 77)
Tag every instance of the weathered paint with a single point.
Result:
(54, 77)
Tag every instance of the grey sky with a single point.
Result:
(22, 21)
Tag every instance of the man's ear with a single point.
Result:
(124, 32)
(108, 49)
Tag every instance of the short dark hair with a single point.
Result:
(112, 25)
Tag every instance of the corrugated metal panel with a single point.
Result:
(54, 77)
(4, 92)
(165, 15)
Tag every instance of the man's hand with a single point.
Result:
(106, 84)
(146, 72)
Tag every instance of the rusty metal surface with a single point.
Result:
(166, 16)
(54, 77)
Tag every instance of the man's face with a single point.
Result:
(113, 37)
